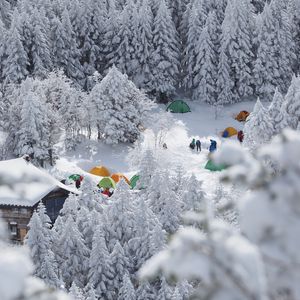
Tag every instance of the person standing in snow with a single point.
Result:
(240, 136)
(213, 146)
(192, 144)
(198, 145)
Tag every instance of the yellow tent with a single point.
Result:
(229, 131)
(100, 171)
(118, 176)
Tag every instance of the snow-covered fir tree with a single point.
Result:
(127, 290)
(277, 114)
(165, 57)
(237, 42)
(119, 108)
(259, 128)
(100, 266)
(206, 62)
(16, 62)
(292, 102)
(76, 292)
(39, 241)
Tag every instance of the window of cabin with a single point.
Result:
(13, 226)
(23, 210)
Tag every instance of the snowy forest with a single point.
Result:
(81, 76)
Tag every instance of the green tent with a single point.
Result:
(178, 106)
(214, 167)
(74, 177)
(134, 180)
(107, 183)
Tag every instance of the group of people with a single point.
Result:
(197, 144)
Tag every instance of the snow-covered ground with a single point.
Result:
(200, 124)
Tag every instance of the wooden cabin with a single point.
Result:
(19, 200)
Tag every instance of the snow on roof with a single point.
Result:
(27, 183)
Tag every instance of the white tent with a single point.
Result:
(23, 184)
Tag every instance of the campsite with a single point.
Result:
(149, 149)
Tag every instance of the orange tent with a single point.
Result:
(100, 171)
(242, 116)
(118, 176)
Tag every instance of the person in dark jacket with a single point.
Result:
(240, 136)
(193, 144)
(198, 145)
(213, 146)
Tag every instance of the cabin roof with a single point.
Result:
(27, 183)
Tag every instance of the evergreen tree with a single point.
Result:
(127, 290)
(292, 107)
(144, 47)
(165, 57)
(39, 241)
(176, 295)
(145, 291)
(120, 264)
(119, 108)
(147, 167)
(276, 112)
(236, 41)
(5, 11)
(195, 24)
(165, 291)
(73, 255)
(90, 292)
(40, 49)
(76, 292)
(194, 196)
(15, 64)
(259, 128)
(225, 83)
(206, 62)
(31, 138)
(100, 266)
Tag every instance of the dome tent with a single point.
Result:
(100, 171)
(133, 181)
(107, 183)
(211, 166)
(242, 116)
(228, 132)
(178, 106)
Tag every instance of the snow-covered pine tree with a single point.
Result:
(146, 167)
(124, 57)
(206, 63)
(31, 138)
(258, 5)
(145, 291)
(39, 241)
(193, 196)
(225, 83)
(164, 202)
(73, 255)
(292, 103)
(259, 128)
(76, 292)
(65, 52)
(90, 293)
(16, 62)
(195, 23)
(40, 52)
(277, 113)
(5, 12)
(237, 42)
(176, 295)
(127, 290)
(144, 47)
(119, 108)
(165, 291)
(158, 238)
(120, 265)
(101, 272)
(165, 57)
